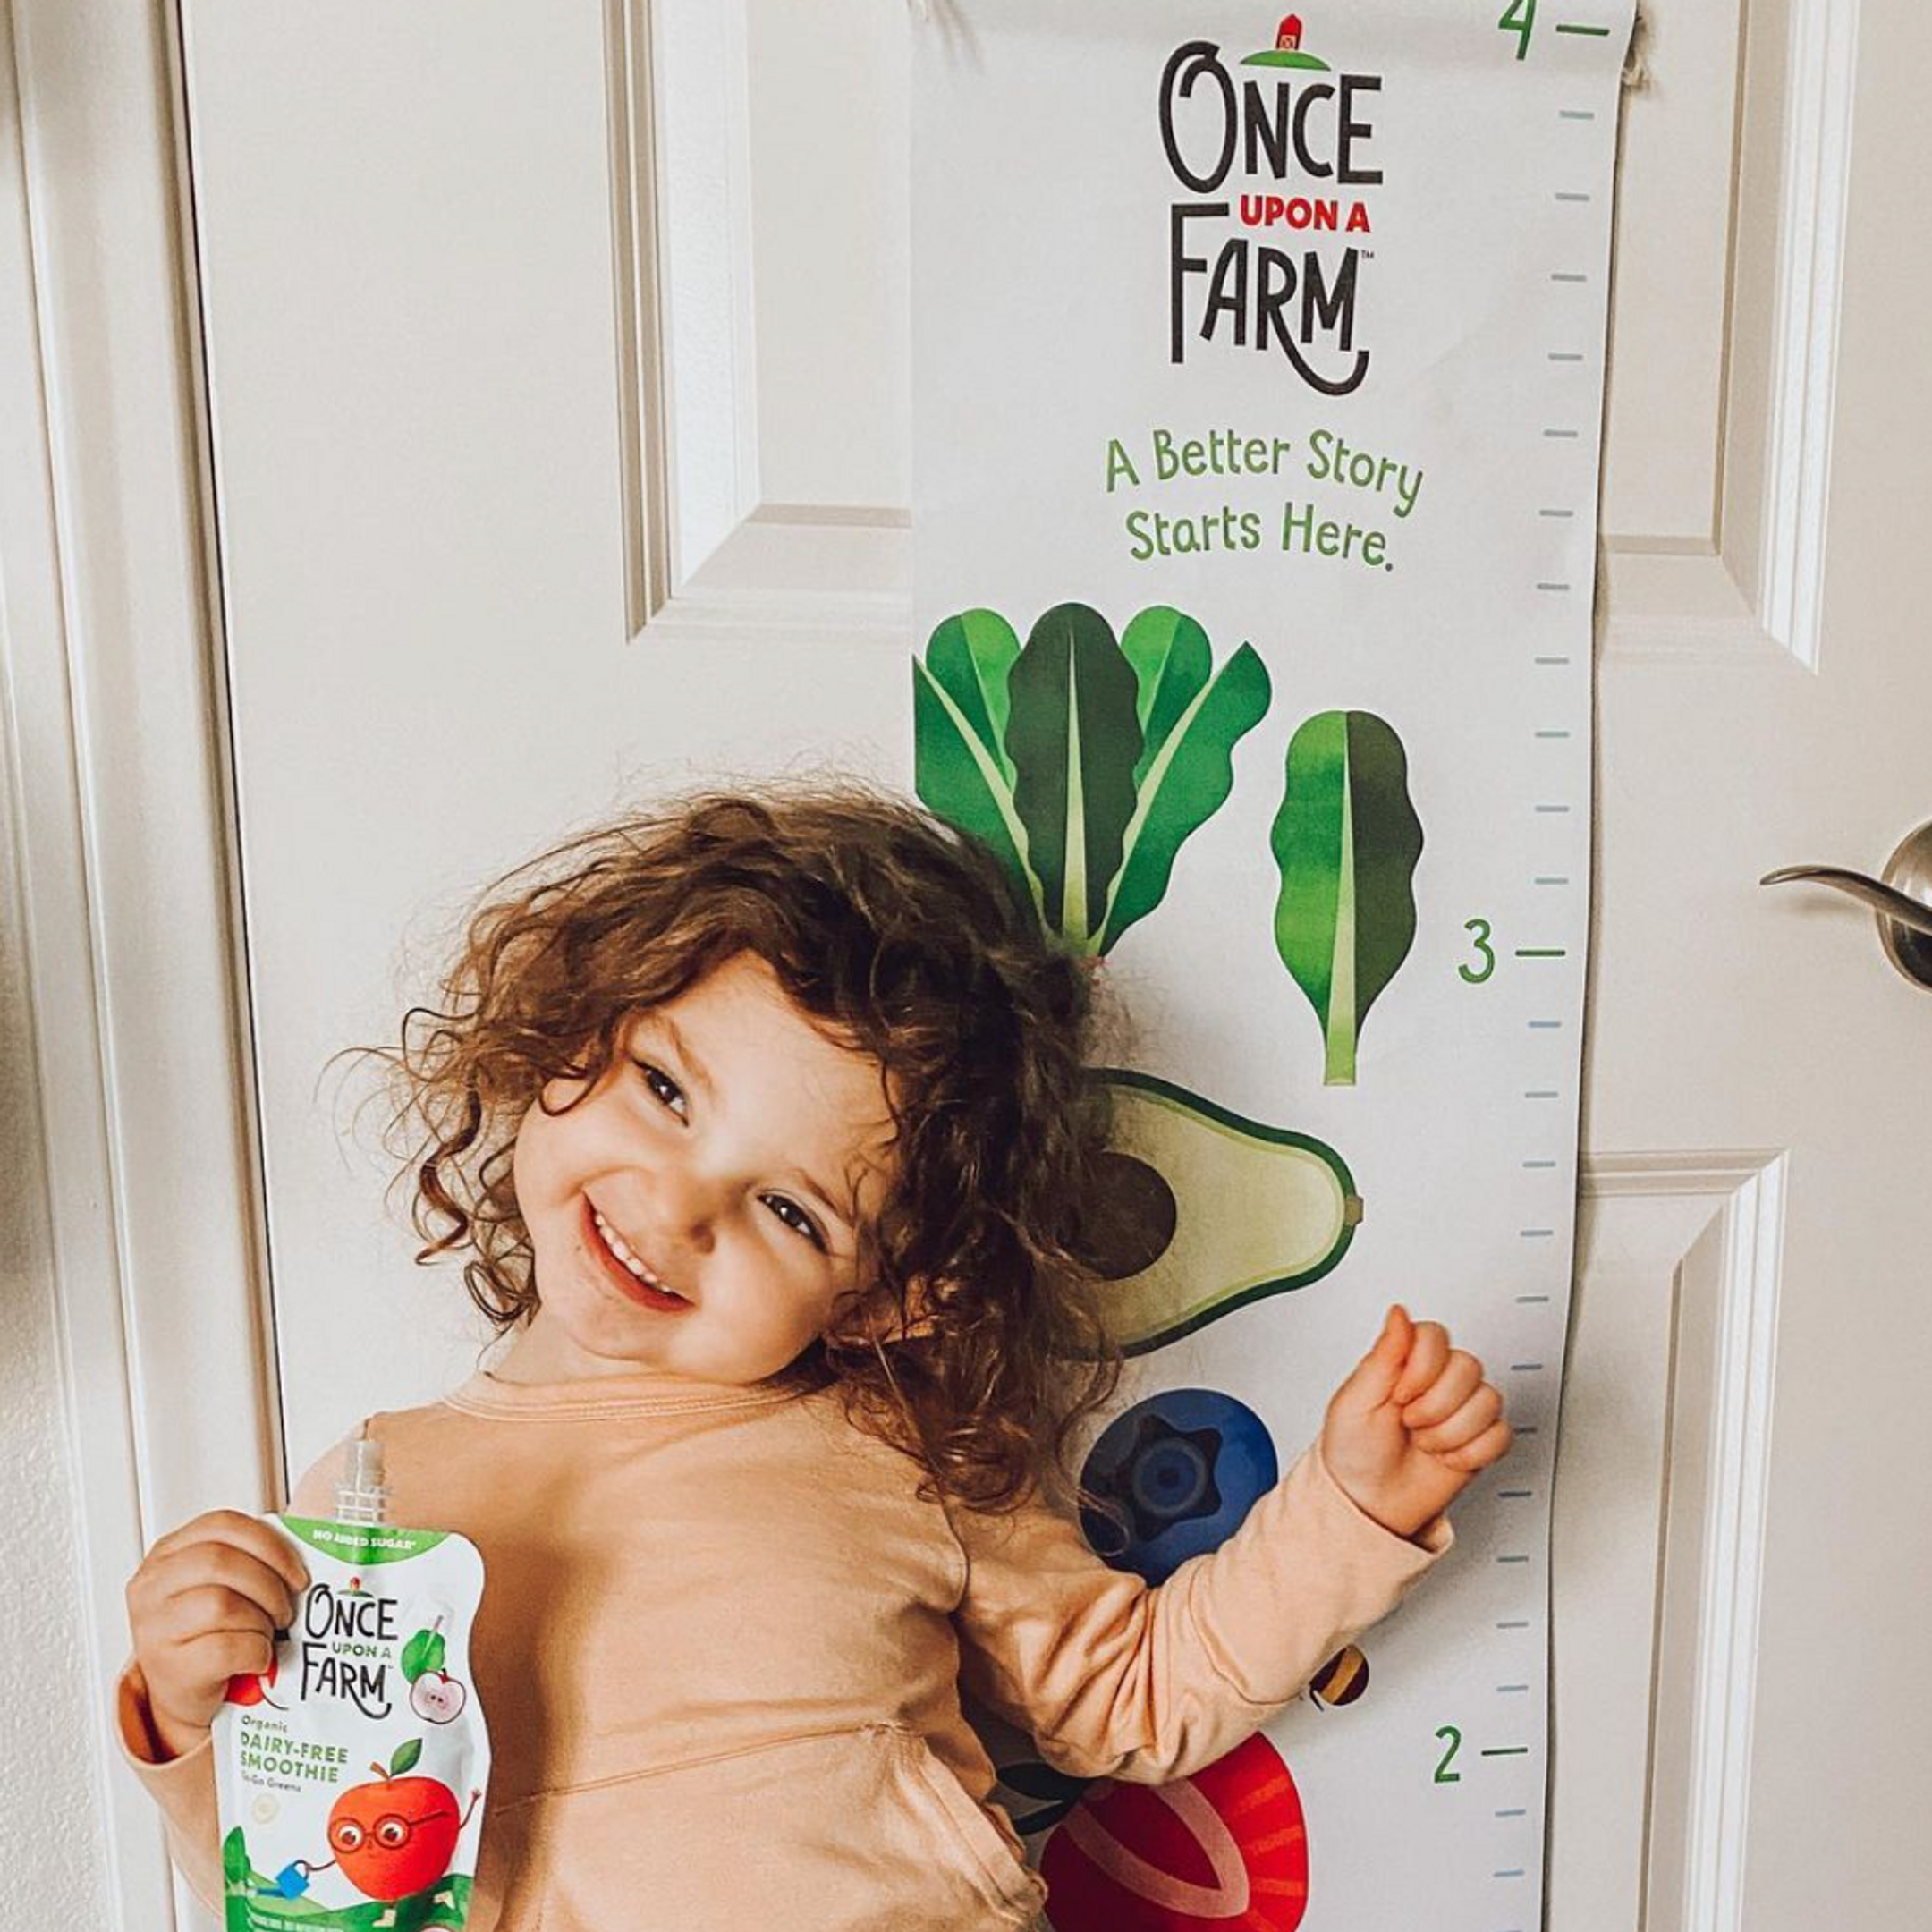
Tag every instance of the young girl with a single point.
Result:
(762, 1123)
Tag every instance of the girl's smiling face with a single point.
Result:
(698, 1209)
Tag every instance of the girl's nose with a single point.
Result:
(685, 1207)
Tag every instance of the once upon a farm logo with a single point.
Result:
(1295, 139)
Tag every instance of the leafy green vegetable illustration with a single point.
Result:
(425, 1651)
(1186, 770)
(1083, 762)
(960, 710)
(1074, 739)
(1347, 839)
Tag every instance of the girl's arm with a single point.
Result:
(1114, 1679)
(184, 1786)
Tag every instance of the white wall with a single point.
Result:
(52, 1847)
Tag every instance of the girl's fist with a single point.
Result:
(203, 1607)
(1412, 1424)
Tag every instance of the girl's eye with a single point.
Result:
(804, 1224)
(666, 1089)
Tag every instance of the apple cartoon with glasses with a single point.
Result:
(392, 1837)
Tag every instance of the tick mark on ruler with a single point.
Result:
(1566, 355)
(1556, 512)
(1565, 436)
(1571, 195)
(1505, 1750)
(1511, 1494)
(1525, 1367)
(1513, 1559)
(1547, 882)
(1552, 808)
(1595, 33)
(1553, 733)
(1564, 276)
(1576, 113)
(1504, 1689)
(1513, 1811)
(1532, 1297)
(1514, 1623)
(1552, 660)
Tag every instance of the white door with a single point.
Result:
(557, 385)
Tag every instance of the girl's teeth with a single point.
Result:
(615, 1242)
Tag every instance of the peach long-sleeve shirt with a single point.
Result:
(722, 1643)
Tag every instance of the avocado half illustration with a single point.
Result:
(1203, 1211)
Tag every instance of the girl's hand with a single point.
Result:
(1412, 1425)
(203, 1607)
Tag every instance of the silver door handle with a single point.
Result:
(1895, 905)
(1903, 901)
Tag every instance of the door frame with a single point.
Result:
(129, 909)
(137, 974)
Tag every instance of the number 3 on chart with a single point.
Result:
(1482, 929)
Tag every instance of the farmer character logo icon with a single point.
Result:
(1286, 52)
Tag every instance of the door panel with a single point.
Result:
(559, 414)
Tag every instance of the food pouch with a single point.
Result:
(350, 1775)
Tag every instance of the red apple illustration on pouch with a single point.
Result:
(397, 1835)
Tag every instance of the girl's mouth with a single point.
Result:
(626, 1273)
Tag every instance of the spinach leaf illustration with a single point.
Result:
(960, 710)
(1083, 762)
(1347, 840)
(1074, 738)
(1184, 782)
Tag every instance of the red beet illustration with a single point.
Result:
(398, 1835)
(249, 1689)
(1225, 1847)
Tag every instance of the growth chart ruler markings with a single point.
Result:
(1568, 162)
(1117, 411)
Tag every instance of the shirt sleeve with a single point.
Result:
(184, 1787)
(1115, 1679)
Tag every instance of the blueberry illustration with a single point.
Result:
(1178, 1473)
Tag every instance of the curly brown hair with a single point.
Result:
(898, 936)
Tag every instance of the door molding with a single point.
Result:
(137, 977)
(1709, 1225)
(1753, 587)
